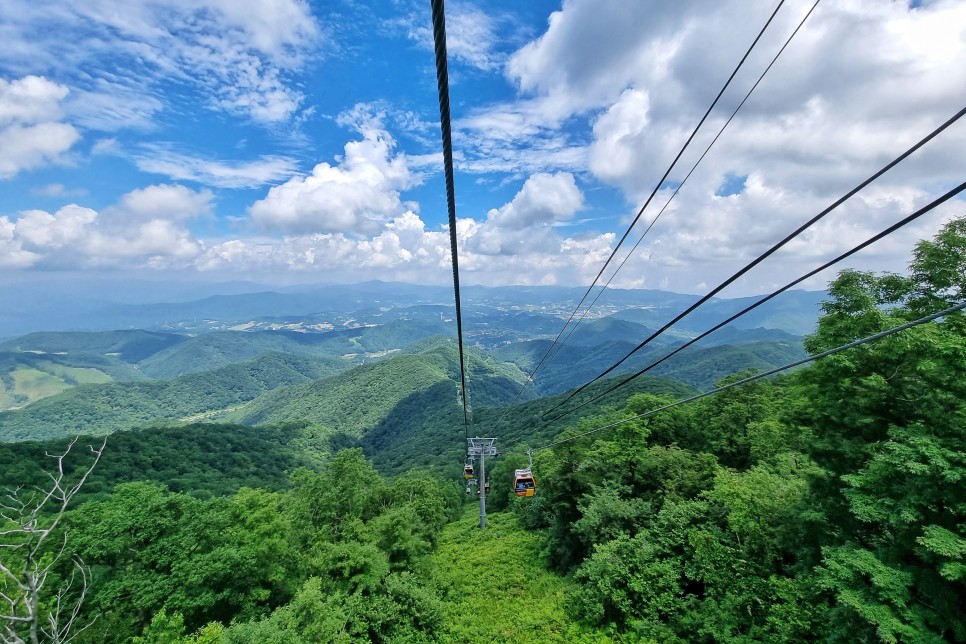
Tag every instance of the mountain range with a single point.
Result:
(380, 371)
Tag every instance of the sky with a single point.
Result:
(288, 141)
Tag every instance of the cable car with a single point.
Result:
(523, 483)
(468, 471)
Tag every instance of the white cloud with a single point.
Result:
(836, 108)
(471, 35)
(474, 37)
(161, 159)
(12, 253)
(106, 146)
(240, 55)
(145, 229)
(524, 225)
(544, 199)
(357, 196)
(160, 203)
(405, 250)
(31, 135)
(31, 99)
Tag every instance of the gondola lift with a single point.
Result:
(523, 482)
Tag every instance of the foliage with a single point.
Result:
(200, 459)
(105, 408)
(342, 551)
(826, 504)
(31, 545)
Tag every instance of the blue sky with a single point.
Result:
(287, 141)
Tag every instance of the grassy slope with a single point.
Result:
(496, 588)
(28, 377)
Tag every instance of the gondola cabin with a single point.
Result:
(523, 483)
(467, 471)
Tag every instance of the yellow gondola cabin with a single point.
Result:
(523, 483)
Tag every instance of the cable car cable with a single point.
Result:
(442, 84)
(888, 231)
(767, 253)
(650, 197)
(685, 180)
(759, 376)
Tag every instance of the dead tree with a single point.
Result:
(29, 549)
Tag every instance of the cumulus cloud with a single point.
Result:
(160, 203)
(515, 243)
(524, 225)
(837, 107)
(405, 250)
(357, 195)
(30, 132)
(146, 228)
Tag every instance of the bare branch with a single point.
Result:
(32, 525)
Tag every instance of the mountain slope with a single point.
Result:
(220, 348)
(510, 591)
(26, 377)
(129, 346)
(357, 400)
(426, 428)
(102, 409)
(573, 365)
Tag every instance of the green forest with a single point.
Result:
(828, 503)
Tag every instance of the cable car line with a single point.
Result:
(771, 372)
(646, 203)
(888, 231)
(685, 180)
(442, 84)
(768, 253)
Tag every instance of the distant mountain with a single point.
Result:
(572, 364)
(105, 408)
(128, 346)
(220, 348)
(732, 335)
(26, 378)
(795, 312)
(186, 307)
(608, 329)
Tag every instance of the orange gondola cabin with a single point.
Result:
(523, 483)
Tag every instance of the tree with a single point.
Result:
(888, 420)
(29, 551)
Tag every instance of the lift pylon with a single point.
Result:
(481, 447)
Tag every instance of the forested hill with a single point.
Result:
(357, 400)
(699, 366)
(417, 382)
(96, 409)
